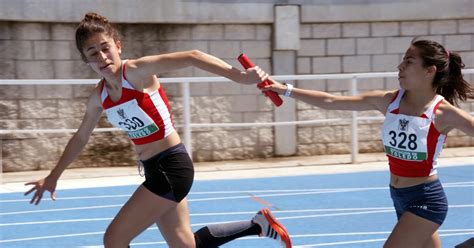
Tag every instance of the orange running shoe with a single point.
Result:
(271, 227)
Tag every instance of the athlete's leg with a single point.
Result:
(213, 236)
(411, 231)
(175, 227)
(262, 224)
(433, 242)
(142, 210)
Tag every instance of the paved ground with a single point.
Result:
(323, 202)
(329, 164)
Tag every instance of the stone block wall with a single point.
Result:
(367, 47)
(46, 50)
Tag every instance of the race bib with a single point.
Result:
(132, 119)
(405, 137)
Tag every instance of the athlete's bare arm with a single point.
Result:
(144, 67)
(372, 100)
(448, 117)
(73, 148)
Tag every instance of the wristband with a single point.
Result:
(289, 88)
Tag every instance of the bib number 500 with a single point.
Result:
(400, 140)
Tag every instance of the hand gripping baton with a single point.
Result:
(246, 63)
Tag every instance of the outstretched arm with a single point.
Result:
(156, 64)
(72, 150)
(373, 100)
(81, 137)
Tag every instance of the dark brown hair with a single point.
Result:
(448, 80)
(91, 24)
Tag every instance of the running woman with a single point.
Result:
(132, 97)
(418, 117)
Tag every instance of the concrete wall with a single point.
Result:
(283, 37)
(231, 11)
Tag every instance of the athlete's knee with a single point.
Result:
(185, 243)
(181, 238)
(113, 238)
(181, 242)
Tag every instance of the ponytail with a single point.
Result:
(453, 86)
(448, 80)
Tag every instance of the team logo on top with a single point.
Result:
(403, 125)
(121, 114)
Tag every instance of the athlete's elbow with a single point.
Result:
(329, 103)
(195, 57)
(80, 138)
(196, 54)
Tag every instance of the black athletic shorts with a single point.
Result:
(170, 173)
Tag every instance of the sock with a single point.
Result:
(214, 235)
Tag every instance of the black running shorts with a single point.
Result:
(170, 173)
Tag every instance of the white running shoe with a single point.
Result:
(271, 227)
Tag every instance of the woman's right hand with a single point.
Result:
(46, 184)
(274, 86)
(253, 75)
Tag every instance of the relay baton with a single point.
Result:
(246, 63)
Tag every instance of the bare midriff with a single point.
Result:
(403, 182)
(149, 150)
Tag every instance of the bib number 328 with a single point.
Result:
(402, 140)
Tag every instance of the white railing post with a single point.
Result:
(187, 118)
(1, 158)
(354, 127)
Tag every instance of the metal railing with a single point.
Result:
(185, 90)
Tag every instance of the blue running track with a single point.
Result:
(338, 210)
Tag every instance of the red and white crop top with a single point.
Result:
(412, 143)
(145, 117)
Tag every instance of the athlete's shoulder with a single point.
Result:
(446, 110)
(384, 96)
(391, 94)
(136, 75)
(95, 95)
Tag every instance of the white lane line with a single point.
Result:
(215, 192)
(341, 243)
(370, 241)
(268, 195)
(69, 198)
(457, 234)
(355, 211)
(54, 221)
(61, 209)
(190, 200)
(456, 183)
(120, 205)
(370, 233)
(200, 214)
(331, 215)
(97, 233)
(51, 237)
(205, 214)
(461, 232)
(466, 184)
